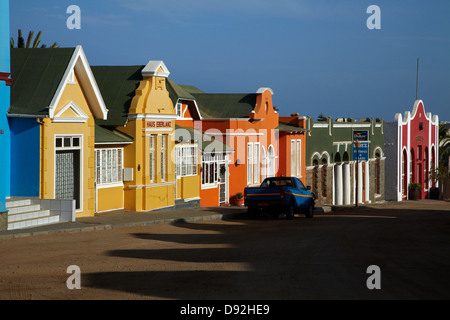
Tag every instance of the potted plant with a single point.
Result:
(414, 189)
(238, 199)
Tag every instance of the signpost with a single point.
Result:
(360, 152)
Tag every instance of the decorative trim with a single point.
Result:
(81, 116)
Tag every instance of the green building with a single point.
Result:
(332, 158)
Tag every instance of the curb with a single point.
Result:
(120, 225)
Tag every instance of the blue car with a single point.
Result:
(280, 195)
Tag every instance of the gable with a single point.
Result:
(71, 113)
(79, 66)
(41, 76)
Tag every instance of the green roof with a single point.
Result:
(36, 75)
(191, 89)
(177, 92)
(105, 135)
(288, 127)
(208, 143)
(225, 105)
(118, 85)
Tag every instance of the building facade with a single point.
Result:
(54, 103)
(292, 147)
(337, 171)
(246, 123)
(412, 151)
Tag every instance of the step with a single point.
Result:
(12, 203)
(28, 215)
(30, 223)
(24, 209)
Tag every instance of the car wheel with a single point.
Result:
(290, 211)
(310, 210)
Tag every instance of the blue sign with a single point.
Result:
(363, 152)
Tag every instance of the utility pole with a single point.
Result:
(417, 80)
(357, 145)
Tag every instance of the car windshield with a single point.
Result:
(277, 182)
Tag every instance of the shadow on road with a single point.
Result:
(321, 258)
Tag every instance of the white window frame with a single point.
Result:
(109, 167)
(263, 163)
(257, 163)
(293, 162)
(179, 110)
(70, 147)
(271, 162)
(249, 163)
(299, 158)
(186, 161)
(163, 157)
(152, 157)
(210, 164)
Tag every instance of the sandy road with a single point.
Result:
(321, 258)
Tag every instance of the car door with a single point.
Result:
(303, 197)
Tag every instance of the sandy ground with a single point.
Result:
(321, 258)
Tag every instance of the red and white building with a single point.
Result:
(411, 148)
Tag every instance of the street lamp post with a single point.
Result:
(357, 145)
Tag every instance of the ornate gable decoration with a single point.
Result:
(71, 113)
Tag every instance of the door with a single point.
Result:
(223, 185)
(67, 176)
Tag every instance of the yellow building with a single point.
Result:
(140, 108)
(57, 100)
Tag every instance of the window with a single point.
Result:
(152, 158)
(108, 166)
(257, 164)
(299, 158)
(420, 126)
(271, 162)
(186, 161)
(178, 109)
(293, 171)
(250, 163)
(163, 156)
(210, 167)
(263, 164)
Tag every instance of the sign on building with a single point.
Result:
(362, 153)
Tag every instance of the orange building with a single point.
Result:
(213, 153)
(247, 123)
(292, 147)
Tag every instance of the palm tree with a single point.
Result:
(30, 43)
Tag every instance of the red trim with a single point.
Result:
(4, 76)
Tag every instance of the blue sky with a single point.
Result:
(317, 55)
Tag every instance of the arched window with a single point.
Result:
(404, 183)
(271, 164)
(263, 163)
(412, 167)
